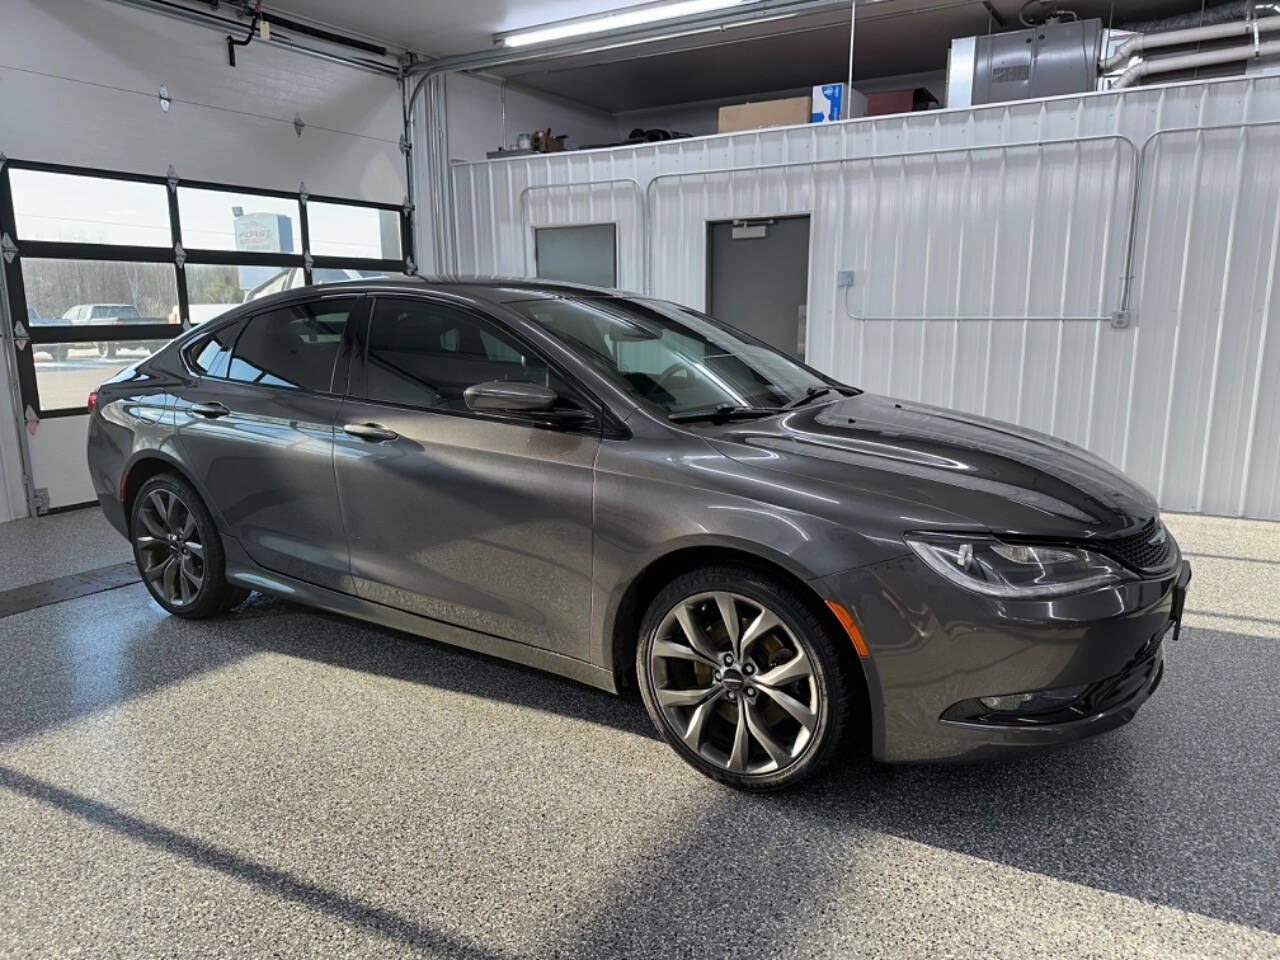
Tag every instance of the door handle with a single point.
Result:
(211, 410)
(374, 432)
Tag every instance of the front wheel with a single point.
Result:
(178, 550)
(744, 678)
(107, 350)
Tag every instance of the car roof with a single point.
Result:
(492, 289)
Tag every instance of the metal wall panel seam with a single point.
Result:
(1026, 290)
(1222, 310)
(1066, 276)
(955, 335)
(924, 288)
(1127, 279)
(1196, 168)
(1097, 333)
(493, 221)
(1258, 366)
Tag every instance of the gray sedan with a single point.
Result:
(624, 491)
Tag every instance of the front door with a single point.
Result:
(758, 279)
(257, 427)
(476, 520)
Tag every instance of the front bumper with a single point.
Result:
(933, 645)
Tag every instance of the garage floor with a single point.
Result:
(286, 783)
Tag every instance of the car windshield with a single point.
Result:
(681, 361)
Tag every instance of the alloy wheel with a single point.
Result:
(734, 683)
(169, 547)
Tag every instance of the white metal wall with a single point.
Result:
(989, 250)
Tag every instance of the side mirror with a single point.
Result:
(509, 396)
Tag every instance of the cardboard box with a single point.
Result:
(766, 113)
(900, 101)
(833, 101)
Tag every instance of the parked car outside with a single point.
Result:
(58, 351)
(624, 491)
(122, 314)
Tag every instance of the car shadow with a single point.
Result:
(391, 653)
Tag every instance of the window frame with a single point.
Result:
(357, 379)
(617, 265)
(177, 255)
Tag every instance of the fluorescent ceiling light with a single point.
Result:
(629, 17)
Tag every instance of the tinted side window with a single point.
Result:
(292, 347)
(212, 356)
(426, 354)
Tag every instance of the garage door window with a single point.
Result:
(70, 208)
(295, 347)
(82, 316)
(247, 222)
(352, 232)
(104, 268)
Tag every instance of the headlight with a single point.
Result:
(988, 566)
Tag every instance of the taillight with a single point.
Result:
(93, 400)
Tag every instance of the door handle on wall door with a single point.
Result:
(211, 410)
(374, 432)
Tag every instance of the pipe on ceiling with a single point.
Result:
(178, 11)
(1143, 42)
(1190, 61)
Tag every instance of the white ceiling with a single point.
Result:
(441, 28)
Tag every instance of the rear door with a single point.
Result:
(257, 429)
(478, 520)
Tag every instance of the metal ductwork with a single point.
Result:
(1190, 61)
(1045, 61)
(1143, 42)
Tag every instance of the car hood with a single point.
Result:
(1000, 477)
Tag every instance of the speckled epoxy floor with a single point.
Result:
(284, 783)
(43, 548)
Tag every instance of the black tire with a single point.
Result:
(59, 352)
(107, 350)
(213, 595)
(831, 668)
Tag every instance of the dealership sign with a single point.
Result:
(262, 233)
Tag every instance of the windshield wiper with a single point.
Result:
(811, 394)
(723, 413)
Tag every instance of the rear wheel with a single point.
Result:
(744, 678)
(178, 550)
(106, 349)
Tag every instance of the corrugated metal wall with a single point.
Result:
(990, 249)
